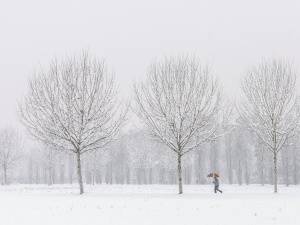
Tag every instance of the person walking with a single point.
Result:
(216, 182)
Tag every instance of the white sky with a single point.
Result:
(229, 35)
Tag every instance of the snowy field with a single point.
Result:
(148, 204)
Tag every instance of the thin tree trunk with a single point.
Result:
(230, 168)
(275, 171)
(262, 169)
(5, 182)
(179, 174)
(199, 168)
(239, 173)
(295, 168)
(111, 172)
(93, 178)
(99, 176)
(71, 169)
(246, 172)
(50, 177)
(151, 176)
(128, 176)
(145, 176)
(287, 168)
(79, 172)
(45, 176)
(37, 174)
(271, 176)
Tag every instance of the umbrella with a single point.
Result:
(213, 175)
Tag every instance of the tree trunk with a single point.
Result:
(295, 176)
(179, 174)
(275, 171)
(99, 176)
(230, 167)
(128, 176)
(45, 176)
(145, 176)
(71, 169)
(53, 176)
(199, 170)
(150, 176)
(37, 174)
(5, 181)
(30, 171)
(271, 173)
(93, 177)
(50, 177)
(287, 168)
(262, 169)
(239, 174)
(111, 172)
(79, 172)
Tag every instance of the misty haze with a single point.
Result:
(149, 112)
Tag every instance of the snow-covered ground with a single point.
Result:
(148, 204)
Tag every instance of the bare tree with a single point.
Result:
(269, 105)
(181, 104)
(73, 106)
(11, 149)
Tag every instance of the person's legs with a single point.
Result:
(219, 190)
(216, 189)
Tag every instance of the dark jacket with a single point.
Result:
(216, 182)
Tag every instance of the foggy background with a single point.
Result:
(128, 35)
